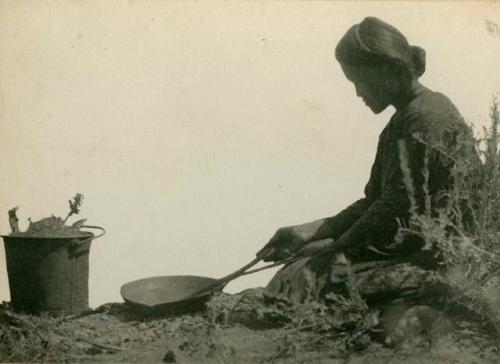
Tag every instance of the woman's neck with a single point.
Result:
(412, 92)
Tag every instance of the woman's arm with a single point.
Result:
(333, 227)
(378, 222)
(289, 240)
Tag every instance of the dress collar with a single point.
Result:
(416, 90)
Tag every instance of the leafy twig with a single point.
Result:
(74, 206)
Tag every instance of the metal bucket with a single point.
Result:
(49, 273)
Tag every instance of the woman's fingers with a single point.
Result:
(274, 255)
(285, 242)
(277, 255)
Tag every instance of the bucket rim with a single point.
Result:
(87, 234)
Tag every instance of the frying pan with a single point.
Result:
(184, 293)
(167, 294)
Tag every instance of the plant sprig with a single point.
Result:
(74, 206)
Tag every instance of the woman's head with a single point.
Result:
(377, 58)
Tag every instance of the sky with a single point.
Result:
(196, 129)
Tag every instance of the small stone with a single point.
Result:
(419, 323)
(362, 342)
(169, 357)
(184, 346)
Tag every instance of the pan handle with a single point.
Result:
(239, 272)
(246, 269)
(221, 282)
(272, 265)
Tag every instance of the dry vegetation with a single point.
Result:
(465, 233)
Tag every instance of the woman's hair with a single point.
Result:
(375, 42)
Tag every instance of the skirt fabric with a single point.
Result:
(375, 280)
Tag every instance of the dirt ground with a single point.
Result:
(114, 333)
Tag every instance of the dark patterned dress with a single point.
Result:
(428, 127)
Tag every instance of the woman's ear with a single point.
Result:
(396, 78)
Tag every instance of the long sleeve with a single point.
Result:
(337, 225)
(379, 221)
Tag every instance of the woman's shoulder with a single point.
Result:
(434, 103)
(432, 111)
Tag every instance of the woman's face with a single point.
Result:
(378, 86)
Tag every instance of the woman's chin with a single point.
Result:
(376, 109)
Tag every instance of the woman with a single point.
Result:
(385, 70)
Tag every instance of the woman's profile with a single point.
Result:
(385, 70)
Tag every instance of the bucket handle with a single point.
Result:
(78, 243)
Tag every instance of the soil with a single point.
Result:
(114, 333)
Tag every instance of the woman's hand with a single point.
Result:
(315, 247)
(289, 240)
(284, 243)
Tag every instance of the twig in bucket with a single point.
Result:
(74, 206)
(13, 220)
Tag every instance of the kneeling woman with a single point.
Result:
(385, 70)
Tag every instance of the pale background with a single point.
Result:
(195, 130)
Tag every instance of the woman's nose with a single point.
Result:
(358, 88)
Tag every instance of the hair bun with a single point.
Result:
(418, 58)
